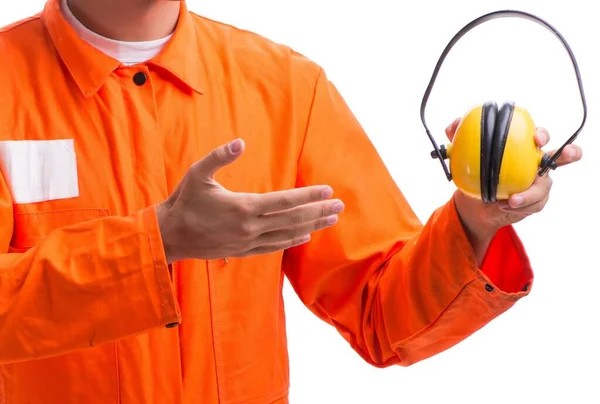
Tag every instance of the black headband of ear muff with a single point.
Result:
(440, 153)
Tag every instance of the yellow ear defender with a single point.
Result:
(493, 153)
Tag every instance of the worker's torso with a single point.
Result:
(131, 144)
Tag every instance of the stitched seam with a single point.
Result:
(42, 216)
(23, 239)
(310, 111)
(434, 322)
(20, 23)
(266, 399)
(215, 332)
(118, 375)
(49, 212)
(156, 269)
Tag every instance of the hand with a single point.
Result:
(203, 220)
(481, 220)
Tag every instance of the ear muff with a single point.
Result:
(493, 153)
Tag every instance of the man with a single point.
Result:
(145, 243)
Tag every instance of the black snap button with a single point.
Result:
(139, 78)
(171, 325)
(489, 287)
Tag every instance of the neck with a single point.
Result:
(127, 20)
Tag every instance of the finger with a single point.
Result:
(289, 199)
(451, 129)
(292, 233)
(300, 215)
(527, 210)
(271, 248)
(219, 158)
(570, 154)
(542, 137)
(537, 192)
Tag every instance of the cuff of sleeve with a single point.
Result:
(506, 266)
(466, 297)
(506, 263)
(170, 313)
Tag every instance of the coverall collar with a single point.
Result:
(90, 67)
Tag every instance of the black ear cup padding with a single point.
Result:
(501, 130)
(488, 122)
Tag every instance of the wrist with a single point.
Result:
(479, 233)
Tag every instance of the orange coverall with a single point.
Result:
(89, 312)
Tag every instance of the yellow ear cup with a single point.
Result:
(464, 153)
(522, 157)
(519, 161)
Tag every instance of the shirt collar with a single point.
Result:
(90, 67)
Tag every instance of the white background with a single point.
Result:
(381, 54)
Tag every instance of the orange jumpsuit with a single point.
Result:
(89, 312)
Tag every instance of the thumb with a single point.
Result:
(220, 157)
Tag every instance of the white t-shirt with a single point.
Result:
(128, 53)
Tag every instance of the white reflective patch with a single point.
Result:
(39, 170)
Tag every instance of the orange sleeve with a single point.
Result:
(84, 285)
(397, 290)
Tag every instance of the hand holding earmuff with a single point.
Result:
(482, 220)
(534, 198)
(493, 153)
